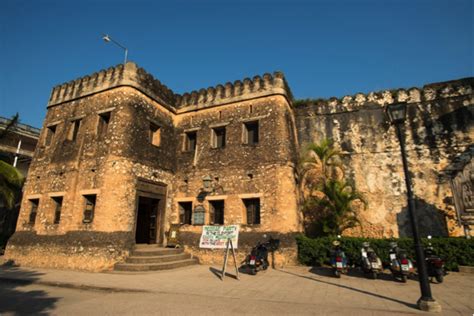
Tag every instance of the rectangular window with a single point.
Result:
(155, 134)
(216, 212)
(218, 137)
(190, 141)
(50, 132)
(185, 212)
(33, 210)
(89, 208)
(58, 201)
(102, 127)
(252, 207)
(74, 129)
(251, 136)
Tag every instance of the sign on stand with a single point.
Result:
(221, 237)
(215, 237)
(231, 247)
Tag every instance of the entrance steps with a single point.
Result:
(153, 257)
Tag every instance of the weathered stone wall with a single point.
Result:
(107, 166)
(286, 254)
(241, 171)
(439, 134)
(111, 166)
(94, 251)
(120, 166)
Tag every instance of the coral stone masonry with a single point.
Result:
(121, 158)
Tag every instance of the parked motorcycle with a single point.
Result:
(338, 259)
(371, 263)
(434, 264)
(400, 265)
(258, 258)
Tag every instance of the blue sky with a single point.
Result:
(325, 48)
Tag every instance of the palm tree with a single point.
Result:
(338, 211)
(318, 163)
(326, 199)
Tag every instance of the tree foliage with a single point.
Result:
(11, 180)
(328, 199)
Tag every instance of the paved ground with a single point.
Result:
(198, 290)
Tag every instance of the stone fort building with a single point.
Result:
(121, 158)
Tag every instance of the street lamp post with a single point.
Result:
(396, 114)
(108, 39)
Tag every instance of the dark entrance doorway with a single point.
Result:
(147, 220)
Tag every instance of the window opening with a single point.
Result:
(155, 134)
(50, 132)
(33, 210)
(252, 207)
(89, 208)
(190, 141)
(218, 137)
(216, 212)
(58, 201)
(104, 119)
(185, 212)
(251, 136)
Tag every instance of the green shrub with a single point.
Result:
(316, 251)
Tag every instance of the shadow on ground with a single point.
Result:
(218, 273)
(16, 301)
(353, 272)
(327, 272)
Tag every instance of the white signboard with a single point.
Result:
(215, 237)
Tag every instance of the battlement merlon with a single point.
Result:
(246, 89)
(429, 92)
(129, 75)
(133, 76)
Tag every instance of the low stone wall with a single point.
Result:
(76, 250)
(286, 255)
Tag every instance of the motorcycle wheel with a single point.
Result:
(253, 271)
(337, 273)
(404, 278)
(373, 275)
(439, 278)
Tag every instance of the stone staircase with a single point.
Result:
(153, 257)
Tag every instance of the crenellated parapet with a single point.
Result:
(133, 76)
(239, 90)
(430, 92)
(120, 75)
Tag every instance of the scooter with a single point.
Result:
(400, 265)
(338, 259)
(258, 258)
(434, 264)
(371, 263)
